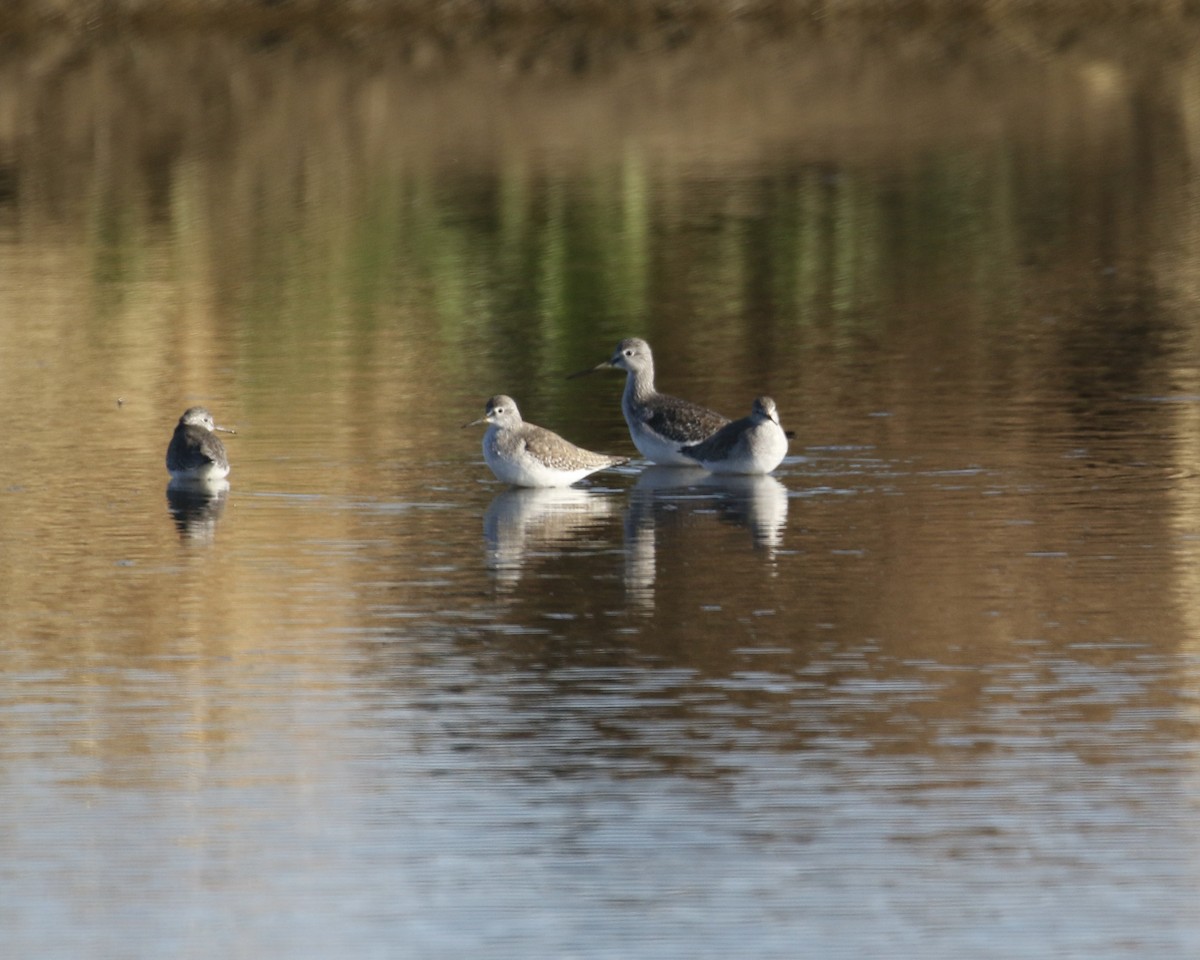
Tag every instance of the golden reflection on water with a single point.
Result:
(344, 253)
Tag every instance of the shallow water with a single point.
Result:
(932, 688)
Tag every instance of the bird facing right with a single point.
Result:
(754, 444)
(196, 453)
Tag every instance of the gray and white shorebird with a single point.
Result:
(527, 455)
(659, 424)
(754, 444)
(196, 453)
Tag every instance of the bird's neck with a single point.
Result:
(639, 385)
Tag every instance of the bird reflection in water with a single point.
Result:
(523, 522)
(666, 495)
(757, 502)
(196, 507)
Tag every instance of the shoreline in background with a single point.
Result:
(624, 24)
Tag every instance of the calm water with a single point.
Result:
(932, 689)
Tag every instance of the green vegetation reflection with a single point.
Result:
(559, 263)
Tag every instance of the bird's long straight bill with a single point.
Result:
(583, 373)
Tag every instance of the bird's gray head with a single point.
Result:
(197, 417)
(499, 410)
(632, 354)
(765, 409)
(200, 417)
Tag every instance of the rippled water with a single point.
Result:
(931, 689)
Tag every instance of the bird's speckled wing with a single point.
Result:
(552, 450)
(678, 419)
(719, 445)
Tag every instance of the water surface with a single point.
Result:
(931, 688)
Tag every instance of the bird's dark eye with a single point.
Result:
(629, 353)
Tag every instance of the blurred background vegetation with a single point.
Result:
(638, 25)
(264, 200)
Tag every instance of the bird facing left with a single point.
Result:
(526, 455)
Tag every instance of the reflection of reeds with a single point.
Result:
(356, 243)
(324, 205)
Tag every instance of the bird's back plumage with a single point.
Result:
(195, 451)
(753, 444)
